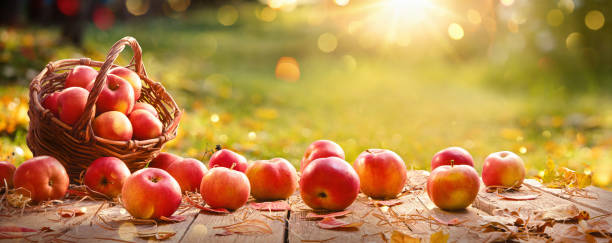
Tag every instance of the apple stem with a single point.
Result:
(233, 165)
(218, 147)
(452, 162)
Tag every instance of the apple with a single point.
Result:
(453, 187)
(382, 173)
(145, 106)
(6, 174)
(225, 188)
(163, 160)
(321, 149)
(106, 175)
(71, 104)
(150, 193)
(50, 102)
(228, 159)
(145, 125)
(505, 169)
(81, 76)
(274, 179)
(188, 173)
(41, 178)
(329, 183)
(130, 76)
(458, 155)
(116, 95)
(113, 125)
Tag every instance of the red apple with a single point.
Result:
(164, 160)
(329, 183)
(6, 174)
(505, 169)
(274, 179)
(50, 102)
(150, 193)
(453, 187)
(106, 175)
(321, 149)
(71, 104)
(116, 95)
(113, 125)
(188, 173)
(382, 173)
(145, 125)
(41, 178)
(131, 77)
(458, 155)
(228, 159)
(145, 106)
(81, 76)
(225, 188)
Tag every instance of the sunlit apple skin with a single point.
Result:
(150, 193)
(116, 95)
(81, 76)
(71, 104)
(145, 106)
(113, 125)
(164, 160)
(458, 155)
(382, 173)
(504, 169)
(188, 173)
(51, 102)
(6, 174)
(274, 179)
(227, 158)
(145, 125)
(225, 188)
(131, 77)
(321, 149)
(329, 183)
(106, 175)
(41, 178)
(454, 187)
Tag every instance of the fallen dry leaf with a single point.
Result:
(452, 222)
(399, 237)
(207, 209)
(173, 219)
(16, 229)
(562, 213)
(387, 203)
(313, 215)
(271, 206)
(439, 237)
(69, 213)
(158, 235)
(518, 197)
(333, 223)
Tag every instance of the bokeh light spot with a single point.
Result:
(506, 2)
(555, 17)
(567, 5)
(214, 118)
(594, 20)
(474, 16)
(137, 7)
(574, 41)
(68, 7)
(350, 62)
(267, 14)
(327, 42)
(523, 150)
(341, 2)
(103, 18)
(288, 69)
(227, 15)
(455, 31)
(179, 5)
(252, 135)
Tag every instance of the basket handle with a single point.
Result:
(82, 129)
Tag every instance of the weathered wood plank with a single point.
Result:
(594, 197)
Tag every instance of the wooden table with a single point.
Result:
(415, 217)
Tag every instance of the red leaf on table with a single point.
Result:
(313, 215)
(387, 203)
(452, 222)
(16, 229)
(271, 206)
(333, 223)
(517, 197)
(69, 213)
(207, 209)
(173, 219)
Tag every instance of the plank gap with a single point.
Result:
(189, 226)
(286, 235)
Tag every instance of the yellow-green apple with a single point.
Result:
(81, 76)
(41, 178)
(329, 183)
(458, 155)
(188, 173)
(505, 169)
(163, 160)
(382, 173)
(453, 187)
(321, 149)
(273, 179)
(129, 76)
(113, 125)
(228, 159)
(225, 188)
(150, 193)
(71, 104)
(145, 125)
(116, 95)
(6, 174)
(50, 102)
(106, 175)
(145, 106)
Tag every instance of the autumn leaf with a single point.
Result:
(563, 177)
(333, 223)
(439, 237)
(271, 206)
(16, 229)
(313, 215)
(562, 213)
(173, 219)
(206, 209)
(510, 197)
(387, 203)
(399, 237)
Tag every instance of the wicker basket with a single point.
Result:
(77, 146)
